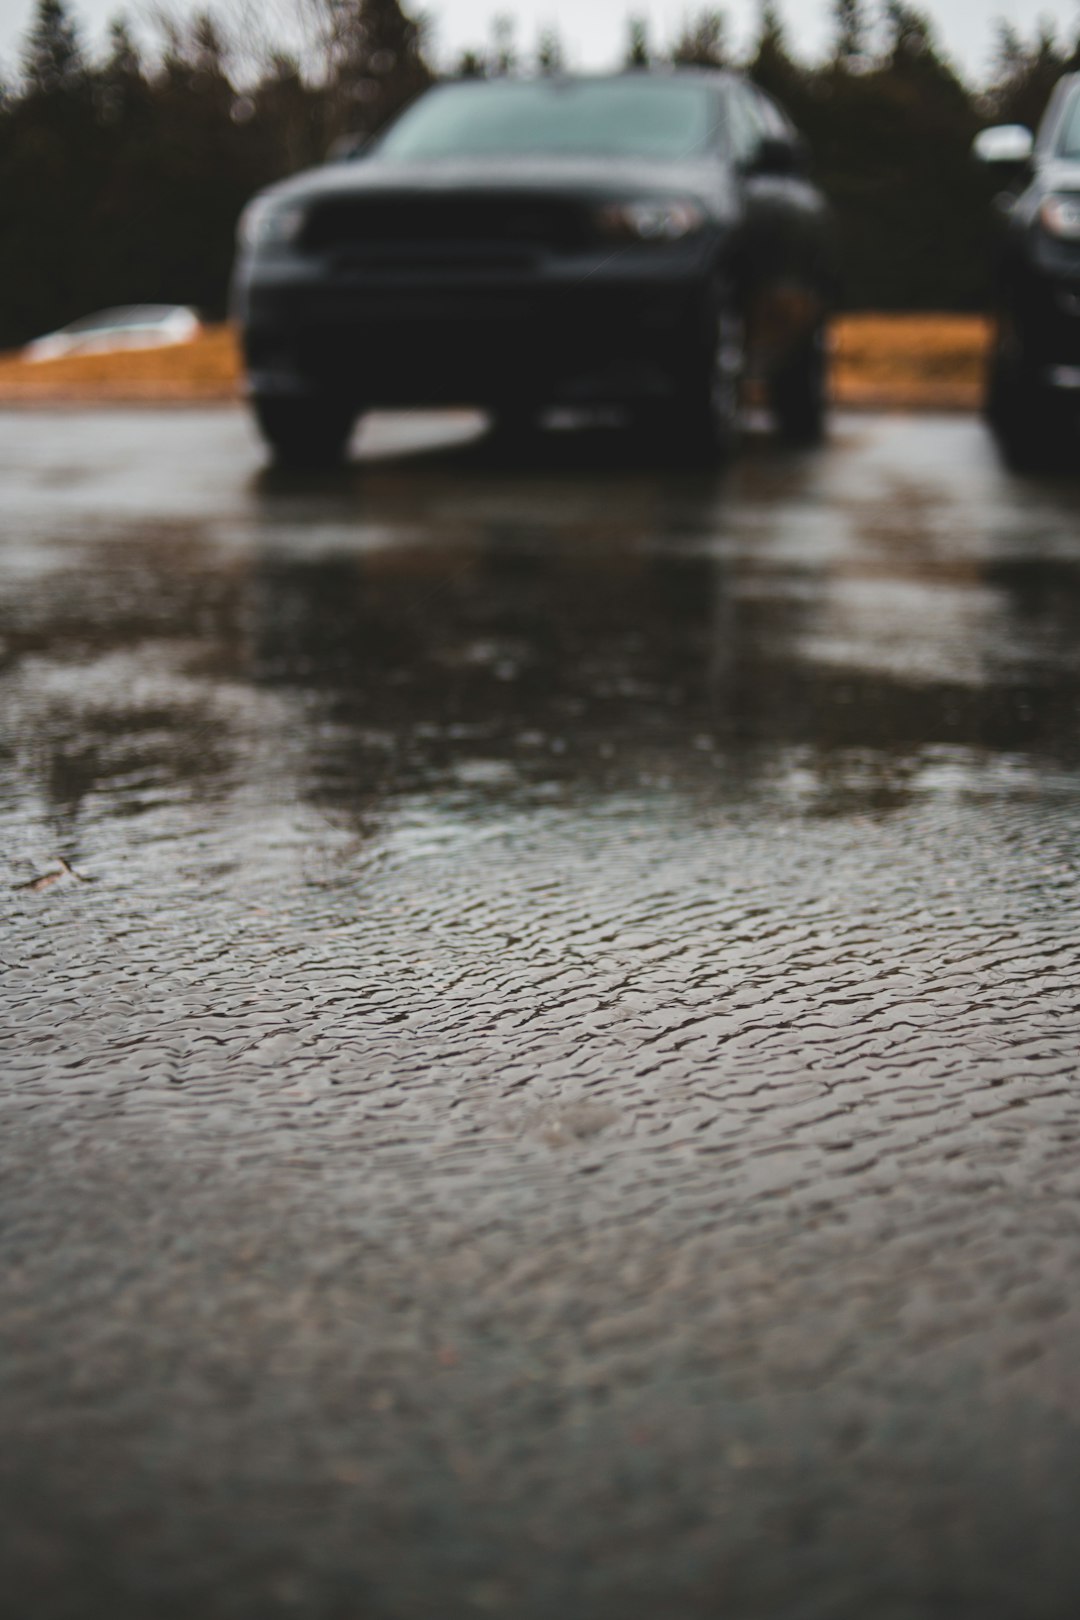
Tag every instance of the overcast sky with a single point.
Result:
(593, 30)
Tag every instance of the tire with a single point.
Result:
(703, 420)
(1031, 424)
(798, 391)
(304, 433)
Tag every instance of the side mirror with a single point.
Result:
(1010, 145)
(780, 156)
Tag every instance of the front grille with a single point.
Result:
(450, 229)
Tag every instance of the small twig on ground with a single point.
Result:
(47, 879)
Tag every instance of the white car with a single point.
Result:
(135, 326)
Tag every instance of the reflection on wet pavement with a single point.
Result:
(564, 1054)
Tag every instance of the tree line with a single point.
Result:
(122, 172)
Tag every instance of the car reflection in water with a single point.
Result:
(463, 625)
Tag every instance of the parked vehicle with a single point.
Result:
(135, 326)
(1033, 390)
(645, 240)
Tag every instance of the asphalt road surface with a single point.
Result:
(540, 1074)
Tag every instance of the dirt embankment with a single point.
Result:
(901, 361)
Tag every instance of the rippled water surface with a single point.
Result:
(541, 1064)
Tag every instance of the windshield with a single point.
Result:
(1070, 135)
(618, 117)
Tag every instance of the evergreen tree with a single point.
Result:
(703, 41)
(375, 64)
(117, 258)
(120, 84)
(287, 121)
(549, 53)
(503, 46)
(1024, 76)
(638, 54)
(123, 61)
(912, 214)
(53, 60)
(53, 163)
(908, 33)
(209, 51)
(772, 65)
(1010, 55)
(470, 65)
(850, 32)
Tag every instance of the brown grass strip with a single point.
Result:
(912, 362)
(201, 372)
(909, 361)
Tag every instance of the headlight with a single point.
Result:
(654, 219)
(1061, 217)
(267, 222)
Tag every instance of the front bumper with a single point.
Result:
(604, 331)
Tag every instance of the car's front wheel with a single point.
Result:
(1028, 419)
(798, 390)
(307, 432)
(703, 418)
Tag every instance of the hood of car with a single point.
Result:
(583, 176)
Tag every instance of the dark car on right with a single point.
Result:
(1033, 393)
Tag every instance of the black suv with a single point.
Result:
(1034, 377)
(644, 240)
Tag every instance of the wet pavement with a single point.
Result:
(540, 1073)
